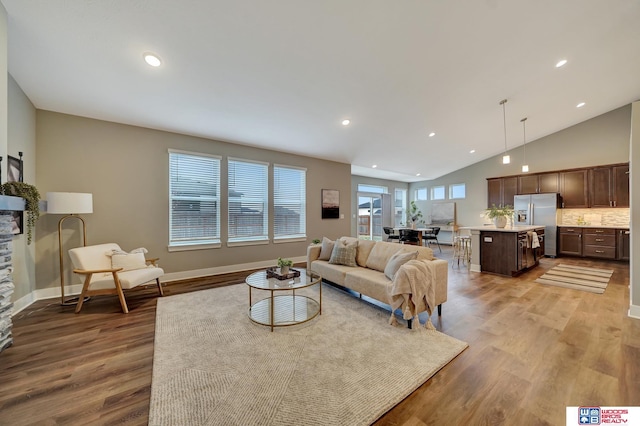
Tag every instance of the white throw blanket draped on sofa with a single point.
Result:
(414, 284)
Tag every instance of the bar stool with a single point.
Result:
(462, 250)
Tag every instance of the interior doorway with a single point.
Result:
(373, 214)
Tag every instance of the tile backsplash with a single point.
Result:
(607, 217)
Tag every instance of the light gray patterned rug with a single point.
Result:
(593, 280)
(348, 366)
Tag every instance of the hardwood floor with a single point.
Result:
(533, 350)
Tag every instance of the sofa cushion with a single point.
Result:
(381, 253)
(397, 260)
(424, 253)
(327, 249)
(344, 253)
(334, 273)
(369, 282)
(364, 249)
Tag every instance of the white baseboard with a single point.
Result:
(634, 311)
(76, 289)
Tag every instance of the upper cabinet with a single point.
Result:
(601, 186)
(621, 185)
(574, 188)
(538, 183)
(500, 191)
(609, 186)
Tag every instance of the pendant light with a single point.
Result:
(525, 166)
(506, 159)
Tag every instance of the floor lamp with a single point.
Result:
(70, 204)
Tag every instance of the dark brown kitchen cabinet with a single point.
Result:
(609, 186)
(599, 242)
(570, 241)
(538, 183)
(621, 186)
(623, 244)
(600, 188)
(500, 191)
(574, 188)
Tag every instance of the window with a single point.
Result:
(248, 201)
(194, 199)
(289, 202)
(457, 190)
(421, 194)
(437, 192)
(372, 188)
(400, 207)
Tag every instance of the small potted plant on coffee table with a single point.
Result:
(284, 265)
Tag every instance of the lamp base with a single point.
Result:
(74, 301)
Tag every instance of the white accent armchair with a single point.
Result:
(103, 272)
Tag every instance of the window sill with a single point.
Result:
(282, 240)
(189, 247)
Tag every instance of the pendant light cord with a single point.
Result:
(524, 138)
(504, 123)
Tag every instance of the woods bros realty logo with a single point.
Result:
(603, 415)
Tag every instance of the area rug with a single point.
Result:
(594, 280)
(348, 366)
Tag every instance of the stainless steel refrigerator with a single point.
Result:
(539, 209)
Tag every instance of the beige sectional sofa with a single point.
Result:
(367, 276)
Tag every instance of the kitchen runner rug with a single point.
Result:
(348, 366)
(594, 280)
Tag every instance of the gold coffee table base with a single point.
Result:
(283, 307)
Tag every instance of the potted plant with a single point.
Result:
(284, 265)
(499, 214)
(31, 197)
(316, 241)
(414, 214)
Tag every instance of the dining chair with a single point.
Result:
(390, 235)
(409, 236)
(432, 236)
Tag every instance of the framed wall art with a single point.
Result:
(330, 204)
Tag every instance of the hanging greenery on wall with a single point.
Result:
(31, 197)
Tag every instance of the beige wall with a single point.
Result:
(601, 140)
(22, 137)
(126, 169)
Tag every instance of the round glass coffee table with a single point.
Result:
(283, 307)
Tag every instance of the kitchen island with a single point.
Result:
(505, 251)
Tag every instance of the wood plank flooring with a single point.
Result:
(533, 350)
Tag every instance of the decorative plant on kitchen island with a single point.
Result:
(499, 214)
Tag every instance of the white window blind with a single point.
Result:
(248, 201)
(289, 202)
(194, 196)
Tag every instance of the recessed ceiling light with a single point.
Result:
(561, 63)
(346, 122)
(417, 174)
(152, 59)
(580, 105)
(374, 166)
(431, 134)
(472, 151)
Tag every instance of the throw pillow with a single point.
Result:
(381, 253)
(128, 262)
(344, 253)
(396, 261)
(327, 249)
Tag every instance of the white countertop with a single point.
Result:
(517, 228)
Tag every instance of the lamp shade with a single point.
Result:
(69, 202)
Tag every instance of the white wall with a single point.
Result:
(634, 282)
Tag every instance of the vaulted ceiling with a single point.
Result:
(284, 74)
